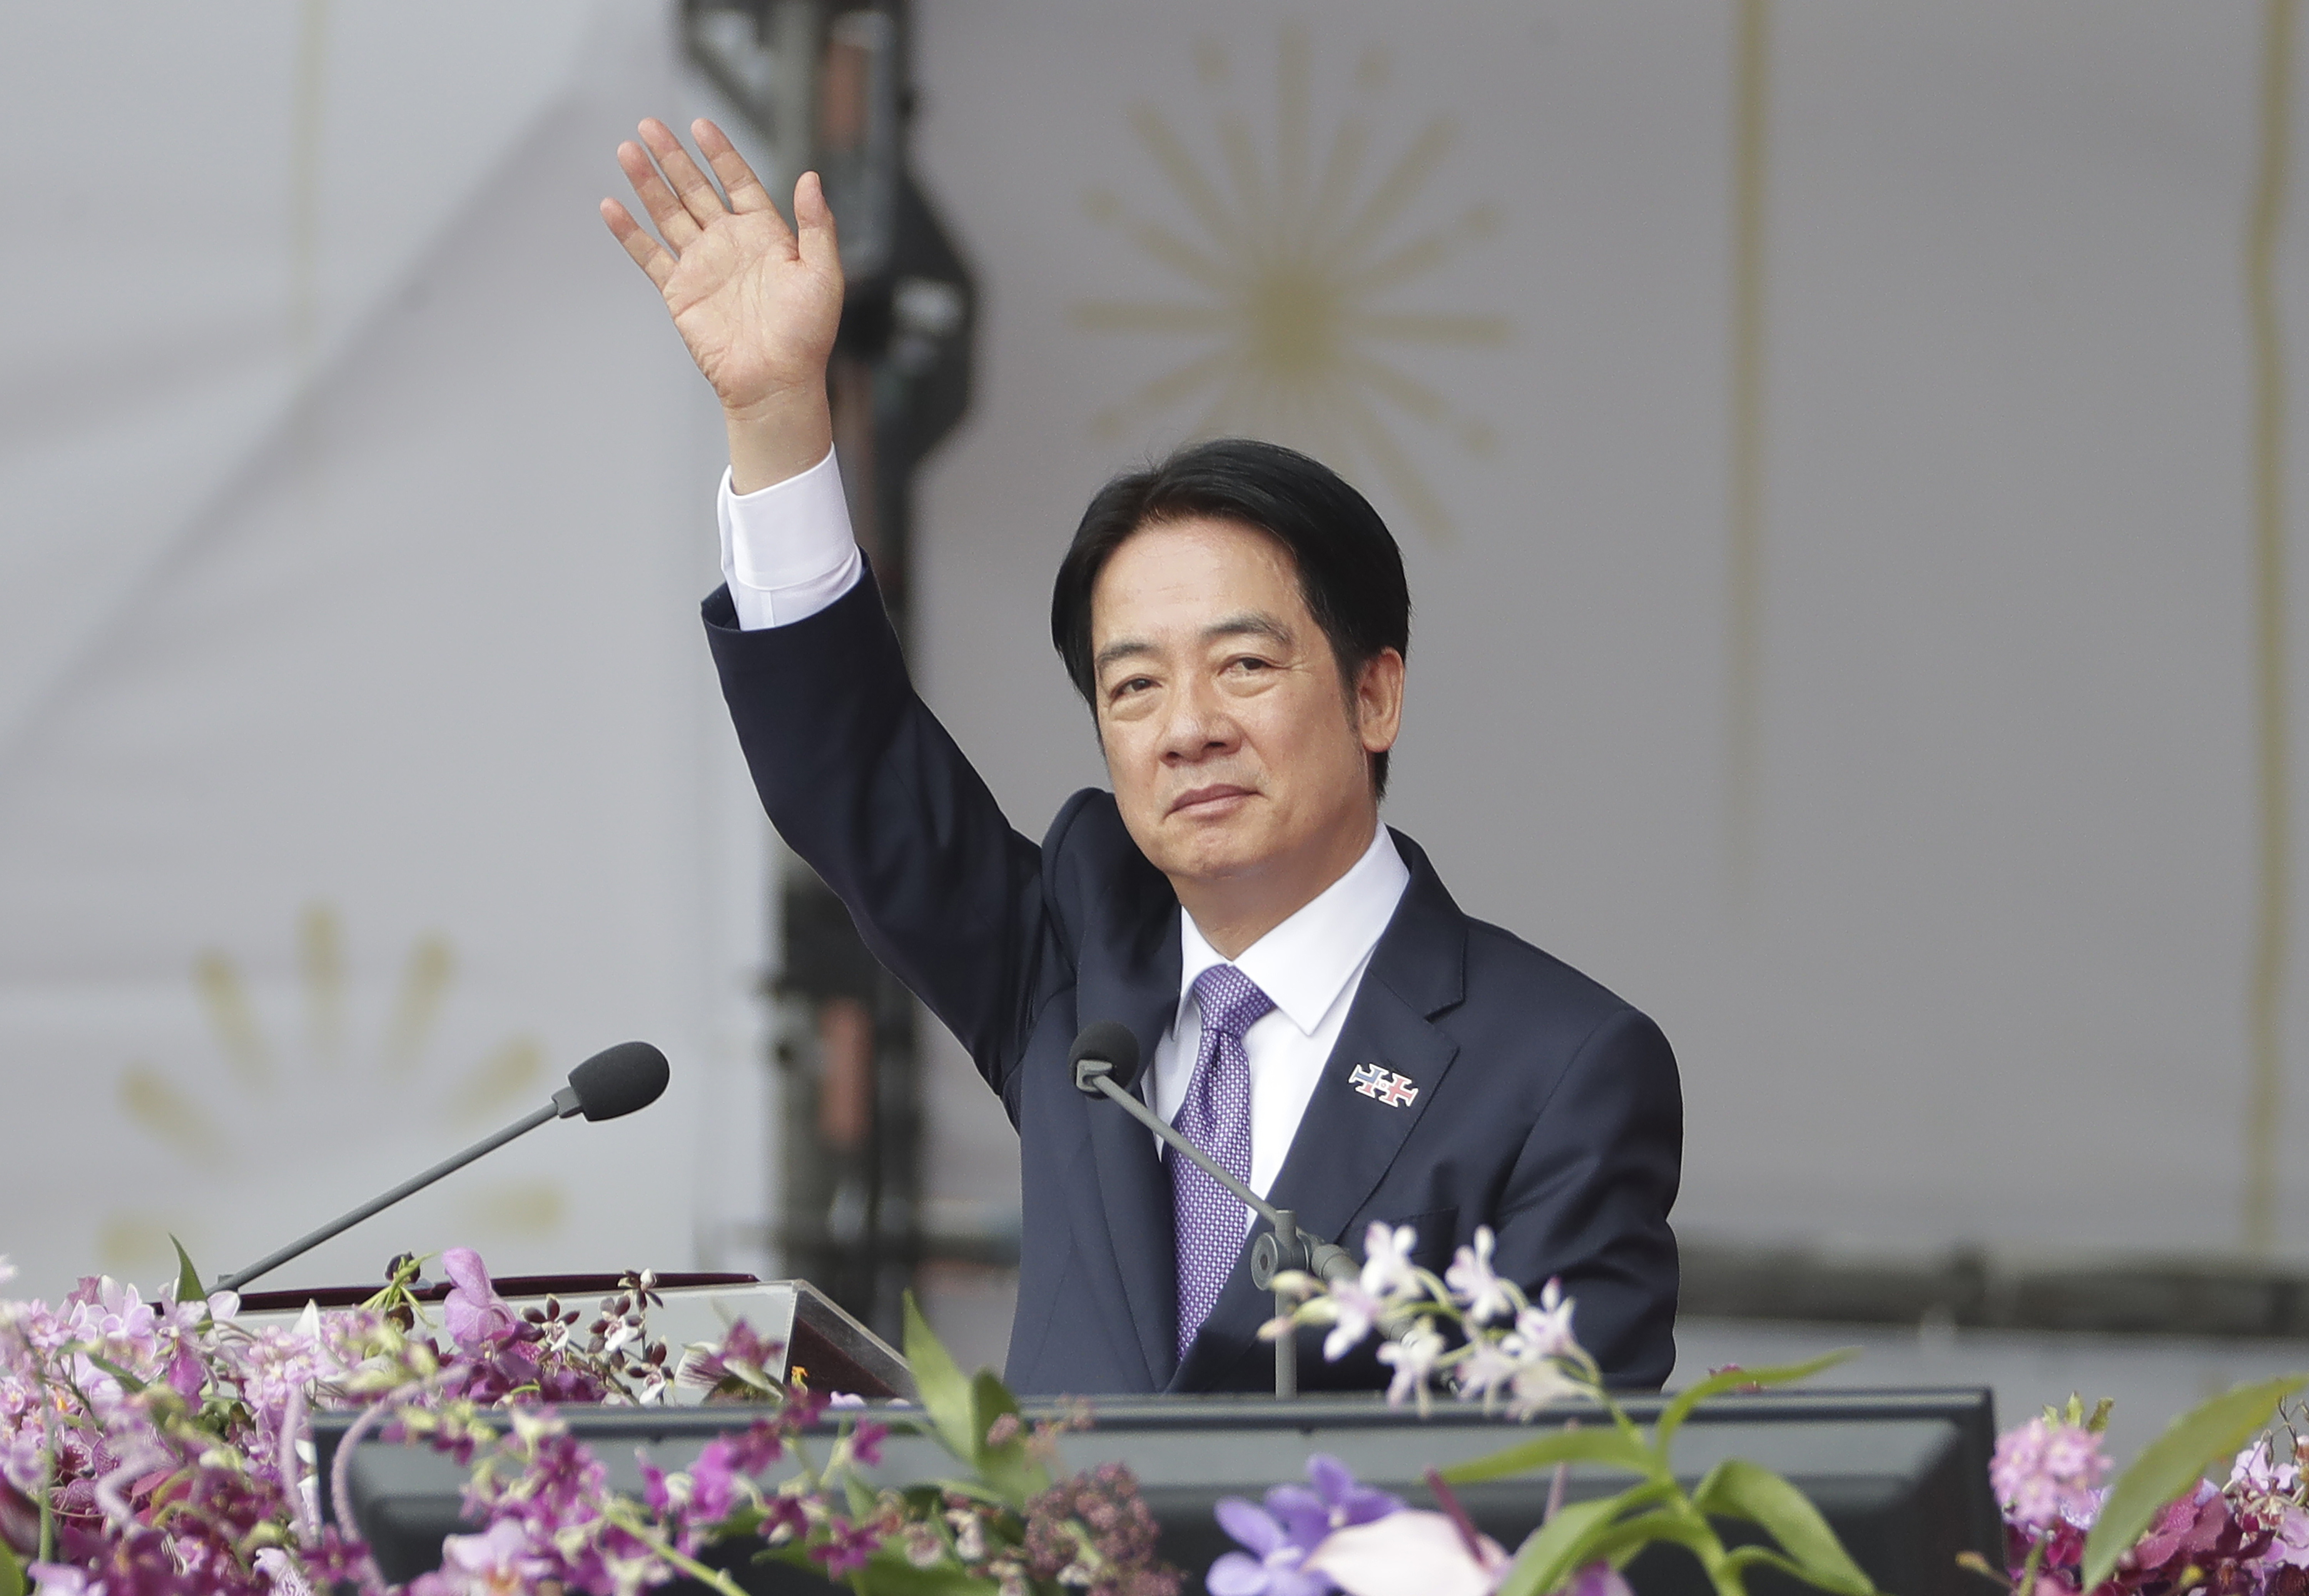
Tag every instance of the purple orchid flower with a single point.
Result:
(1270, 1565)
(1338, 1500)
(848, 1548)
(477, 1318)
(714, 1491)
(756, 1449)
(1279, 1538)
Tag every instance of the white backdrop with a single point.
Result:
(1983, 973)
(360, 765)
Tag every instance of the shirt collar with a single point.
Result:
(1305, 962)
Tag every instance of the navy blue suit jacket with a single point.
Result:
(1547, 1108)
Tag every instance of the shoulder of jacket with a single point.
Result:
(1091, 867)
(1498, 959)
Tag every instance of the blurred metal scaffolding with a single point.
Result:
(828, 86)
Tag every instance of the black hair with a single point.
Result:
(1350, 570)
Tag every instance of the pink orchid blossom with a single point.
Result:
(1543, 1329)
(1414, 1356)
(2044, 1471)
(1472, 1279)
(497, 1562)
(1388, 1269)
(1355, 1311)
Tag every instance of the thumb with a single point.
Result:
(814, 224)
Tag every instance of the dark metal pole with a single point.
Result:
(1287, 1345)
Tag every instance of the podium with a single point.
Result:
(1902, 1476)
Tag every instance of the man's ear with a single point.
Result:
(1378, 701)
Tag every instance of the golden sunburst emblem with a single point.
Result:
(317, 1085)
(1291, 263)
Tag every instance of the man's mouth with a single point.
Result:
(1208, 800)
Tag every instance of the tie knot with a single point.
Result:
(1232, 1001)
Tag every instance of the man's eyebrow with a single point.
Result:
(1251, 623)
(1122, 648)
(1254, 622)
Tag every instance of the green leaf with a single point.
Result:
(1610, 1448)
(188, 1281)
(1763, 1556)
(1566, 1541)
(1673, 1416)
(989, 1400)
(12, 1572)
(945, 1394)
(1010, 1469)
(1677, 1523)
(128, 1383)
(741, 1519)
(971, 1488)
(1735, 1488)
(888, 1573)
(2211, 1432)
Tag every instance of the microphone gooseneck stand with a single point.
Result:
(614, 1081)
(1284, 1247)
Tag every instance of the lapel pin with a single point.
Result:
(1393, 1090)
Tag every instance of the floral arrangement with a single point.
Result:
(2164, 1527)
(2161, 1529)
(162, 1448)
(1479, 1336)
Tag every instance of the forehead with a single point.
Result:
(1170, 574)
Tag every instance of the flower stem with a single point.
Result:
(2028, 1569)
(48, 1476)
(623, 1515)
(1449, 1500)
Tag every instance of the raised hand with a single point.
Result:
(757, 305)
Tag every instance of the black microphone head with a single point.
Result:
(619, 1080)
(1110, 1042)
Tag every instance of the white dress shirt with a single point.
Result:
(1313, 965)
(788, 552)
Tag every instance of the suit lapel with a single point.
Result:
(1347, 1142)
(1134, 979)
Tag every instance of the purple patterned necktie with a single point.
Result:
(1211, 1220)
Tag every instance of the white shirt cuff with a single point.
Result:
(787, 549)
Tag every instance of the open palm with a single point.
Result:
(757, 305)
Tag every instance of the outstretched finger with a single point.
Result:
(649, 255)
(745, 190)
(698, 194)
(819, 247)
(664, 206)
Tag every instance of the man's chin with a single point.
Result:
(1213, 853)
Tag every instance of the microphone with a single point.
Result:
(614, 1082)
(1106, 1063)
(1108, 1045)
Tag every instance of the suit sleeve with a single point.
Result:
(1587, 1200)
(864, 783)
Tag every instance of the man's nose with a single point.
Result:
(1199, 724)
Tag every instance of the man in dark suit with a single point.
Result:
(1322, 1018)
